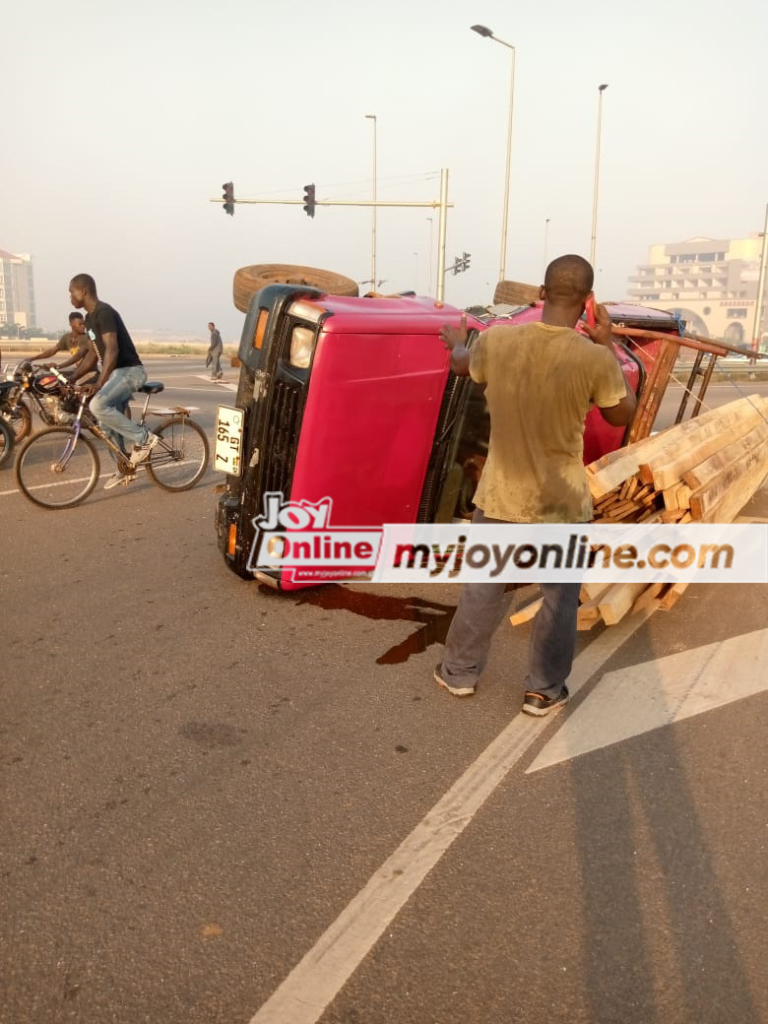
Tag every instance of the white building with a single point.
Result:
(17, 290)
(711, 283)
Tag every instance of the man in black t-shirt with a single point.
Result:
(121, 373)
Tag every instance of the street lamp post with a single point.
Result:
(372, 117)
(488, 34)
(544, 257)
(593, 245)
(430, 220)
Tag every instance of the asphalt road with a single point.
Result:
(200, 777)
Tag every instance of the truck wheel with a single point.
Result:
(249, 280)
(514, 293)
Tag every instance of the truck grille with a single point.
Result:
(281, 438)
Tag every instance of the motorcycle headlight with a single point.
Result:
(302, 343)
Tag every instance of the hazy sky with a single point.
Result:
(122, 119)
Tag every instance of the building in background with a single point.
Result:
(17, 290)
(711, 283)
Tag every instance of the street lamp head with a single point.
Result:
(371, 116)
(602, 88)
(482, 31)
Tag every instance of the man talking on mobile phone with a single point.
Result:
(541, 380)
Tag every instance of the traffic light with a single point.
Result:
(465, 260)
(229, 198)
(309, 200)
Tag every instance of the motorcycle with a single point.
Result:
(30, 387)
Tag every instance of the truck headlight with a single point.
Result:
(302, 343)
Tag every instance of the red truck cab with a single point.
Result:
(353, 399)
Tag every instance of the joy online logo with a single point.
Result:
(296, 536)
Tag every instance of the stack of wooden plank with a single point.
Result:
(703, 470)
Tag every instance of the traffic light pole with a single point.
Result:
(441, 204)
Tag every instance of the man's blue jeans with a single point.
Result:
(110, 404)
(480, 610)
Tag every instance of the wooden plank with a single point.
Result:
(676, 497)
(595, 590)
(652, 515)
(608, 499)
(673, 515)
(713, 466)
(706, 498)
(734, 500)
(648, 597)
(672, 596)
(624, 506)
(527, 613)
(589, 611)
(654, 390)
(618, 600)
(587, 617)
(633, 510)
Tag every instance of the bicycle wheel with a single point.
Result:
(54, 474)
(181, 457)
(6, 441)
(18, 419)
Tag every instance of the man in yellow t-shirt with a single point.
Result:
(541, 380)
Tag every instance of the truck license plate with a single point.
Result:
(228, 454)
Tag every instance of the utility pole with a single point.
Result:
(372, 117)
(593, 244)
(760, 297)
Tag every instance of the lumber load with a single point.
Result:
(704, 470)
(691, 436)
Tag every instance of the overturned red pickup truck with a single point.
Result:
(352, 398)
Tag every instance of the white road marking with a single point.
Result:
(642, 697)
(313, 984)
(225, 387)
(219, 383)
(63, 483)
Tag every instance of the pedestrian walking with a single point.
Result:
(541, 380)
(213, 358)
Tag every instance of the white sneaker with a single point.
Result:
(141, 451)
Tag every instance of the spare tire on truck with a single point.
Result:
(515, 293)
(249, 280)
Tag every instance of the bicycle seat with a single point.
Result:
(152, 387)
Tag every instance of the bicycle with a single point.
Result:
(59, 467)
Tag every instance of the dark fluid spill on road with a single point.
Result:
(432, 619)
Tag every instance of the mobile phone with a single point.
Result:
(590, 311)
